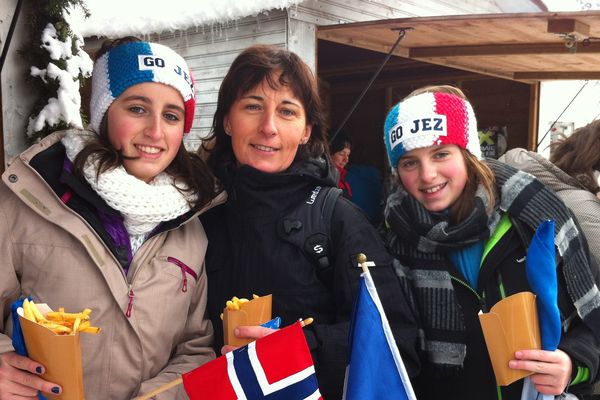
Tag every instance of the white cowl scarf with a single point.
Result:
(143, 205)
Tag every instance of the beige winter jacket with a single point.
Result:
(49, 252)
(584, 204)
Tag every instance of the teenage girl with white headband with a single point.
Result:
(459, 225)
(106, 218)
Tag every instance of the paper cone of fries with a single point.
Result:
(59, 354)
(511, 325)
(254, 312)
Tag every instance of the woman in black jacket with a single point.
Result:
(269, 150)
(461, 226)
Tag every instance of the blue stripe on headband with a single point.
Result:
(123, 68)
(390, 121)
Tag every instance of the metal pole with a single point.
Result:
(358, 100)
(560, 115)
(11, 30)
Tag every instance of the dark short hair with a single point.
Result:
(339, 143)
(278, 67)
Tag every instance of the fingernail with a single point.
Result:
(236, 331)
(512, 364)
(55, 390)
(518, 354)
(38, 369)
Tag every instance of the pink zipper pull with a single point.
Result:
(184, 271)
(130, 303)
(184, 286)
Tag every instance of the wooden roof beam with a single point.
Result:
(362, 43)
(548, 75)
(499, 49)
(568, 26)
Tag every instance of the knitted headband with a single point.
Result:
(430, 119)
(137, 62)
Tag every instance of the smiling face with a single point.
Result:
(436, 175)
(145, 123)
(266, 127)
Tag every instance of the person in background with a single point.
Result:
(340, 149)
(459, 226)
(107, 219)
(572, 172)
(269, 150)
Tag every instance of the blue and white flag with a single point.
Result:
(375, 370)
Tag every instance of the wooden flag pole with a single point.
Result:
(362, 261)
(175, 382)
(160, 389)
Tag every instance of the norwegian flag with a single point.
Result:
(276, 367)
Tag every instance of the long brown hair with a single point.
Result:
(579, 155)
(187, 168)
(278, 67)
(478, 173)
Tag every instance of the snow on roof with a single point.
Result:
(115, 18)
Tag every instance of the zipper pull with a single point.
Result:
(184, 286)
(184, 271)
(130, 303)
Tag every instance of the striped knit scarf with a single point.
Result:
(421, 240)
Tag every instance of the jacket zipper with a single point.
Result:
(130, 303)
(480, 298)
(184, 271)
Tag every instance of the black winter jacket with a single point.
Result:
(246, 255)
(504, 266)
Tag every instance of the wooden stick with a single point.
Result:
(362, 261)
(160, 389)
(173, 383)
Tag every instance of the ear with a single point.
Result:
(227, 125)
(306, 135)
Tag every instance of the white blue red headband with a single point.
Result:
(136, 62)
(430, 119)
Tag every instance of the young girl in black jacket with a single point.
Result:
(460, 226)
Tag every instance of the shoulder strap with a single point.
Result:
(308, 225)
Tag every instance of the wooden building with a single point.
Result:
(344, 42)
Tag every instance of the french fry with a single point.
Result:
(76, 324)
(64, 316)
(27, 310)
(36, 312)
(91, 329)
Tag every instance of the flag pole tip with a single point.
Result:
(362, 261)
(306, 321)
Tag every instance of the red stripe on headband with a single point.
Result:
(457, 118)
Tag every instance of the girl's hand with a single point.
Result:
(250, 332)
(552, 369)
(19, 377)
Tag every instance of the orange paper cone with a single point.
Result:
(59, 354)
(511, 325)
(255, 312)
